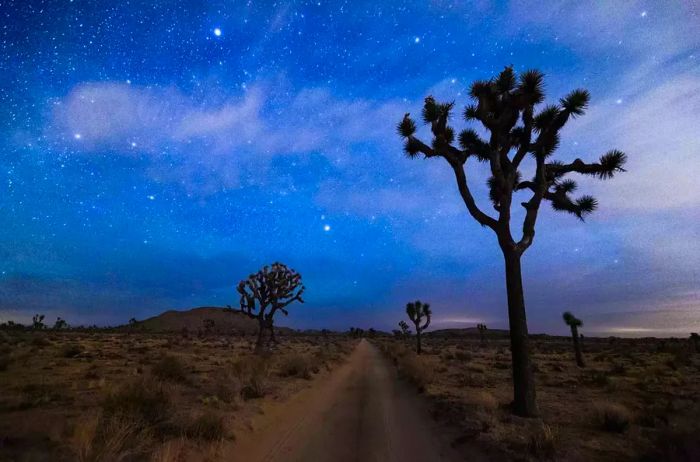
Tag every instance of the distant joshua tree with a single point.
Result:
(405, 330)
(60, 324)
(574, 323)
(695, 338)
(482, 333)
(356, 332)
(266, 292)
(417, 312)
(506, 108)
(38, 322)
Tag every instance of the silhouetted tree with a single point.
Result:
(371, 332)
(417, 312)
(60, 324)
(38, 321)
(695, 338)
(405, 330)
(506, 106)
(482, 333)
(574, 323)
(266, 292)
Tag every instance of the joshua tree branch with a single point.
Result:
(532, 207)
(474, 210)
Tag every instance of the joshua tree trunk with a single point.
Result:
(525, 403)
(418, 349)
(577, 347)
(261, 333)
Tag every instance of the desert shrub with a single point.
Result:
(144, 402)
(612, 417)
(675, 445)
(207, 426)
(116, 439)
(295, 365)
(597, 378)
(4, 362)
(253, 373)
(71, 350)
(416, 370)
(40, 341)
(482, 400)
(543, 442)
(170, 368)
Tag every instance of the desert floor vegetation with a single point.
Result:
(637, 399)
(93, 396)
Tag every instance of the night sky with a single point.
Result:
(153, 153)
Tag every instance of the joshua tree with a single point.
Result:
(405, 330)
(356, 332)
(60, 324)
(695, 338)
(482, 333)
(38, 321)
(573, 322)
(417, 311)
(506, 107)
(265, 293)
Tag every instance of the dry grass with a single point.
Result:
(123, 397)
(636, 398)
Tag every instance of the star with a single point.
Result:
(416, 40)
(77, 136)
(217, 32)
(644, 14)
(326, 228)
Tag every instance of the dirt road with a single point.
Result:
(361, 412)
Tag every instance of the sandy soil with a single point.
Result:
(361, 412)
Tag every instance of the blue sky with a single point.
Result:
(154, 153)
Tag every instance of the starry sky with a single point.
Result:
(153, 153)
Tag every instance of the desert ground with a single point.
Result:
(92, 396)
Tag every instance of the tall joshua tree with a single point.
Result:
(695, 338)
(507, 107)
(574, 323)
(482, 333)
(417, 312)
(266, 292)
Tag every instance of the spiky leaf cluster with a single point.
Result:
(571, 320)
(419, 312)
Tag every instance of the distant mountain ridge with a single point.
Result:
(224, 321)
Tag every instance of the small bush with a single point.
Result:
(542, 444)
(71, 351)
(143, 401)
(40, 341)
(253, 373)
(295, 365)
(612, 417)
(4, 362)
(416, 369)
(170, 368)
(463, 356)
(208, 426)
